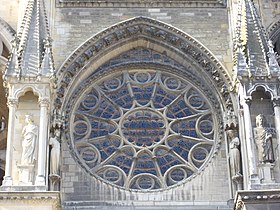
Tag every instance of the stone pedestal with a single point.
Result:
(266, 173)
(54, 182)
(26, 174)
(238, 181)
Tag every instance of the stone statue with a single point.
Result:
(263, 138)
(55, 153)
(30, 136)
(234, 154)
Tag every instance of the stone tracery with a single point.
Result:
(143, 129)
(102, 140)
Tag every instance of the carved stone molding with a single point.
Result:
(270, 198)
(12, 102)
(7, 31)
(44, 102)
(30, 199)
(143, 3)
(274, 30)
(151, 31)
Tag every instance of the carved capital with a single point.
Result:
(276, 102)
(44, 102)
(12, 102)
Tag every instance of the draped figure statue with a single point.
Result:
(263, 138)
(234, 154)
(30, 136)
(55, 153)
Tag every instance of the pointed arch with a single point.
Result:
(143, 66)
(6, 36)
(6, 33)
(274, 30)
(147, 33)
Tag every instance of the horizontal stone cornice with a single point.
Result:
(142, 4)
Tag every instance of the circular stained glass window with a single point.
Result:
(143, 130)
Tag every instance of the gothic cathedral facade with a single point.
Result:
(137, 104)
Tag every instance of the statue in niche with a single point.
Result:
(55, 153)
(234, 154)
(30, 136)
(263, 138)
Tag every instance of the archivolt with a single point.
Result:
(274, 31)
(147, 33)
(274, 36)
(6, 36)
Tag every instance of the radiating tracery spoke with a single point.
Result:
(143, 130)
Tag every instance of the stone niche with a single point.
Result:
(28, 105)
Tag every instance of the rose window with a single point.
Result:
(143, 130)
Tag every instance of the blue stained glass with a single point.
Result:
(205, 126)
(179, 109)
(186, 128)
(122, 161)
(121, 97)
(178, 175)
(142, 95)
(106, 146)
(199, 154)
(193, 133)
(181, 146)
(120, 102)
(166, 159)
(162, 98)
(81, 128)
(144, 164)
(130, 130)
(101, 128)
(156, 56)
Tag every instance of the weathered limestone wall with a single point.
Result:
(29, 200)
(211, 187)
(269, 11)
(9, 12)
(73, 26)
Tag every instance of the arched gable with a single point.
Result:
(6, 33)
(147, 33)
(170, 72)
(6, 36)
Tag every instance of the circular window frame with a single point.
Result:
(101, 77)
